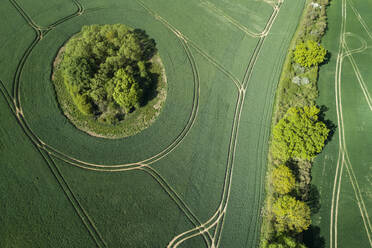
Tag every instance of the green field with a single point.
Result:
(343, 172)
(195, 178)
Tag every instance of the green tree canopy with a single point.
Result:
(291, 214)
(127, 92)
(299, 134)
(106, 69)
(282, 179)
(309, 53)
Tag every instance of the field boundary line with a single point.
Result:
(359, 198)
(35, 26)
(177, 199)
(343, 52)
(221, 211)
(80, 211)
(231, 20)
(339, 165)
(359, 76)
(246, 80)
(7, 97)
(360, 19)
(214, 220)
(361, 49)
(263, 156)
(193, 44)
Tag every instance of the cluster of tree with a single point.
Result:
(297, 136)
(301, 67)
(106, 70)
(308, 51)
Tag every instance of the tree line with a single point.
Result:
(298, 136)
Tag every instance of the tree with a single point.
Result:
(127, 92)
(291, 214)
(299, 134)
(309, 53)
(282, 179)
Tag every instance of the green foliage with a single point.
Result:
(309, 53)
(299, 134)
(293, 95)
(127, 92)
(282, 179)
(291, 214)
(105, 69)
(285, 241)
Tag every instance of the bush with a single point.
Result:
(291, 214)
(309, 53)
(282, 179)
(299, 134)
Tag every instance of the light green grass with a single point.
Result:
(132, 208)
(357, 120)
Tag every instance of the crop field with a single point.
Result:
(194, 178)
(343, 173)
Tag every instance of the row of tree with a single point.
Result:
(297, 137)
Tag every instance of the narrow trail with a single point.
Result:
(343, 156)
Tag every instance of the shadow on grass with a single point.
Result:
(312, 238)
(313, 200)
(330, 125)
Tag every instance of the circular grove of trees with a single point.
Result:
(109, 72)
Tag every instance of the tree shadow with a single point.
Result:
(312, 238)
(150, 85)
(330, 125)
(151, 91)
(313, 200)
(148, 45)
(327, 58)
